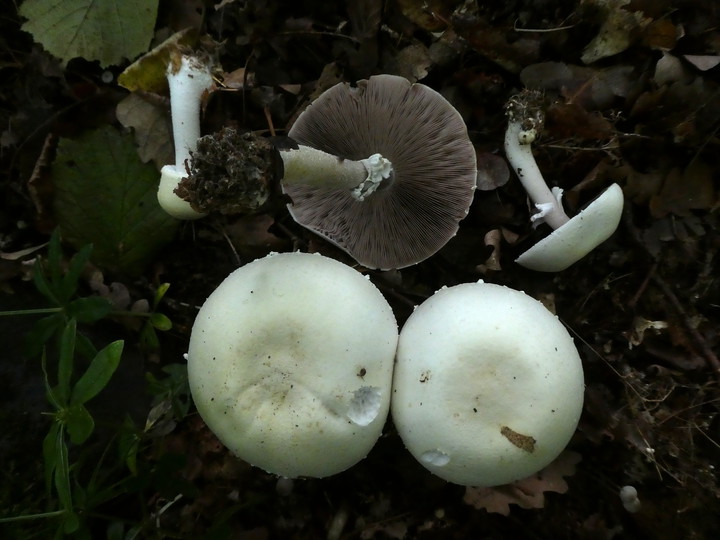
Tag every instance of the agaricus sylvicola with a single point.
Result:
(385, 170)
(189, 78)
(488, 385)
(572, 238)
(290, 364)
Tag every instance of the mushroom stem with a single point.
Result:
(188, 82)
(188, 79)
(518, 150)
(571, 239)
(314, 168)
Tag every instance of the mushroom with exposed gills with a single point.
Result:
(290, 364)
(189, 78)
(488, 385)
(572, 238)
(385, 170)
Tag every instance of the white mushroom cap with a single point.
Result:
(290, 364)
(488, 386)
(579, 236)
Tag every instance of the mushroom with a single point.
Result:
(290, 364)
(384, 170)
(572, 238)
(189, 78)
(488, 385)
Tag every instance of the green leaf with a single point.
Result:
(98, 373)
(79, 423)
(70, 280)
(129, 445)
(41, 332)
(160, 321)
(90, 309)
(104, 30)
(55, 400)
(71, 522)
(50, 454)
(41, 282)
(84, 347)
(149, 338)
(66, 360)
(62, 471)
(160, 294)
(105, 196)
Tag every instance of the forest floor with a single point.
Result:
(632, 95)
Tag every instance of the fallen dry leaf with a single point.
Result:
(526, 493)
(683, 191)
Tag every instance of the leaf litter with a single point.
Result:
(633, 97)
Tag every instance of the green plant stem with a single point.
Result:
(38, 311)
(127, 313)
(47, 311)
(28, 517)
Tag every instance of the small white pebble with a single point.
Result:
(629, 498)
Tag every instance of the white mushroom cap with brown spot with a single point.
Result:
(488, 385)
(413, 214)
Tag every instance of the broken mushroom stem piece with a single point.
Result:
(189, 78)
(311, 167)
(572, 238)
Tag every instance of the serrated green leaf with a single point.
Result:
(79, 423)
(105, 196)
(98, 373)
(105, 30)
